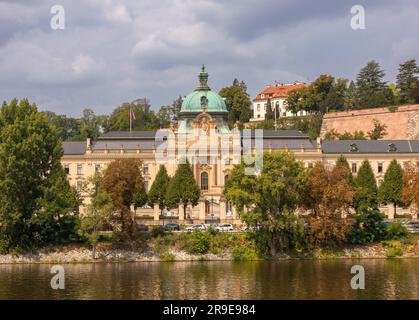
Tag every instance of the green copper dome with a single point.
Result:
(203, 99)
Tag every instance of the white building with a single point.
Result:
(277, 94)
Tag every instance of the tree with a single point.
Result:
(379, 130)
(371, 89)
(350, 99)
(146, 118)
(406, 80)
(269, 115)
(30, 149)
(182, 187)
(365, 188)
(368, 226)
(343, 163)
(296, 100)
(56, 220)
(98, 212)
(391, 190)
(237, 101)
(270, 199)
(157, 193)
(328, 197)
(123, 181)
(410, 193)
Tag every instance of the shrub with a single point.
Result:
(244, 253)
(396, 230)
(157, 231)
(167, 256)
(198, 242)
(368, 227)
(395, 250)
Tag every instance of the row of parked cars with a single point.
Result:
(176, 227)
(412, 226)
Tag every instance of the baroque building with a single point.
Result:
(276, 95)
(203, 137)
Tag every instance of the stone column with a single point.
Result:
(180, 212)
(202, 211)
(156, 212)
(222, 211)
(234, 213)
(190, 207)
(390, 212)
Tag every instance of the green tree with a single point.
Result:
(391, 190)
(342, 162)
(379, 130)
(237, 101)
(30, 149)
(56, 220)
(98, 212)
(296, 100)
(123, 181)
(145, 118)
(182, 187)
(368, 226)
(350, 98)
(365, 188)
(157, 193)
(269, 114)
(371, 89)
(271, 198)
(406, 80)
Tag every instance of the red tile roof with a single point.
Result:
(278, 91)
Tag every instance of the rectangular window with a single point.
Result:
(380, 167)
(79, 185)
(310, 164)
(354, 167)
(67, 169)
(97, 167)
(284, 114)
(79, 169)
(258, 107)
(145, 168)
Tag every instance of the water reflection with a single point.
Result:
(328, 279)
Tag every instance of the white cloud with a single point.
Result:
(113, 51)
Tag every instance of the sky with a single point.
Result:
(112, 51)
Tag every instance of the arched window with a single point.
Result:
(204, 181)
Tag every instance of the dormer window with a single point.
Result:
(392, 147)
(353, 147)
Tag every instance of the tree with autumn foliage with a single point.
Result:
(328, 197)
(410, 192)
(123, 181)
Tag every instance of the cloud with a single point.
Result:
(113, 51)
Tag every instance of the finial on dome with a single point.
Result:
(203, 80)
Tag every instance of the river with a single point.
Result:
(296, 279)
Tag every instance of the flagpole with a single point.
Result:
(130, 121)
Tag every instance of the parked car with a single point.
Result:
(142, 227)
(224, 227)
(193, 227)
(412, 226)
(172, 227)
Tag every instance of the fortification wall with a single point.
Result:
(401, 124)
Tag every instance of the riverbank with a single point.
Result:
(228, 247)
